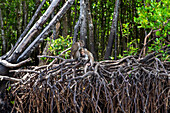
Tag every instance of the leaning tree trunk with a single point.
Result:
(37, 27)
(46, 31)
(13, 54)
(113, 33)
(19, 52)
(27, 28)
(25, 31)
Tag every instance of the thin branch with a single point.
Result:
(144, 50)
(10, 65)
(10, 78)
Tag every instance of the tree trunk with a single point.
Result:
(65, 26)
(113, 33)
(76, 27)
(120, 20)
(2, 35)
(25, 14)
(54, 35)
(19, 18)
(83, 20)
(103, 22)
(96, 34)
(91, 30)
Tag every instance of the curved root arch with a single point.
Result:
(125, 85)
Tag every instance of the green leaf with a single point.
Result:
(135, 19)
(130, 75)
(158, 33)
(12, 102)
(139, 26)
(9, 88)
(47, 3)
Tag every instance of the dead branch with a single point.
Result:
(144, 50)
(10, 78)
(10, 65)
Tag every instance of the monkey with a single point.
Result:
(87, 55)
(75, 49)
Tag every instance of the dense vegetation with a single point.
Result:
(128, 38)
(136, 19)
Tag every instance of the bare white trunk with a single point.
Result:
(37, 26)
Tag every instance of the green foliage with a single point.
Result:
(102, 15)
(154, 15)
(157, 46)
(59, 45)
(120, 56)
(125, 30)
(9, 88)
(132, 48)
(111, 57)
(12, 102)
